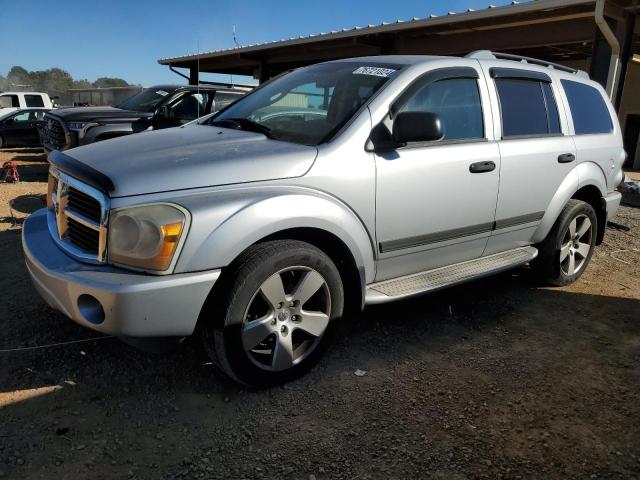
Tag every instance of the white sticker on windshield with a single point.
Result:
(375, 71)
(162, 92)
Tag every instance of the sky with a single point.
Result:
(117, 38)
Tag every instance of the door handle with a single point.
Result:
(566, 158)
(480, 167)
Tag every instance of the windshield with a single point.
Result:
(308, 105)
(147, 100)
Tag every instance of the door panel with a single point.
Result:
(435, 201)
(534, 148)
(530, 175)
(31, 136)
(13, 129)
(431, 210)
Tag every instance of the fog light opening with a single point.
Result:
(90, 309)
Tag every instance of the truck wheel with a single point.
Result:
(567, 250)
(272, 318)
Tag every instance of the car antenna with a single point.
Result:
(235, 40)
(198, 86)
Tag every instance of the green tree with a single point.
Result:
(54, 81)
(84, 83)
(106, 82)
(18, 76)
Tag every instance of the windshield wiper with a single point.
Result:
(243, 124)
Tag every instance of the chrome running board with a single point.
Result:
(436, 279)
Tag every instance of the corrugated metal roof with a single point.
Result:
(385, 27)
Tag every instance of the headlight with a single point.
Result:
(145, 237)
(76, 126)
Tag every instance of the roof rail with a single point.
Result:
(489, 55)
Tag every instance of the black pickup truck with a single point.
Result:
(161, 106)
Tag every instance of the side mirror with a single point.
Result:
(416, 127)
(163, 112)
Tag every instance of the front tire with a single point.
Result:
(567, 250)
(272, 318)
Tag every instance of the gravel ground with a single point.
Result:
(499, 378)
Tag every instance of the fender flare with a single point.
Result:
(584, 174)
(242, 224)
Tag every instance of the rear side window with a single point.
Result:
(10, 100)
(528, 107)
(457, 102)
(34, 101)
(588, 108)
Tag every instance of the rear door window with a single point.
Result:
(527, 107)
(588, 108)
(34, 101)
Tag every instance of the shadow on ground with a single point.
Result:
(497, 378)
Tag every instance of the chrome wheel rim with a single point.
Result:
(576, 245)
(286, 318)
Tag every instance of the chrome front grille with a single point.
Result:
(53, 133)
(84, 204)
(86, 238)
(77, 217)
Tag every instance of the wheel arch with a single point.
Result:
(323, 222)
(353, 277)
(586, 182)
(593, 196)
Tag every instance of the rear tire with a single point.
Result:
(567, 250)
(272, 317)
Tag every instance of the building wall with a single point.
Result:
(630, 103)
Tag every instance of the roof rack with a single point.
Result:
(489, 55)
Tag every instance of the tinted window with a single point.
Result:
(224, 99)
(523, 105)
(10, 100)
(588, 108)
(456, 101)
(147, 100)
(190, 107)
(34, 101)
(37, 115)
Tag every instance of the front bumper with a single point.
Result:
(612, 202)
(113, 300)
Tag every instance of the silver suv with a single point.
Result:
(342, 184)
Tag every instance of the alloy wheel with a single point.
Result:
(576, 245)
(286, 318)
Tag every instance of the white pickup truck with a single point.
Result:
(10, 101)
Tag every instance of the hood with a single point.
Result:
(97, 114)
(190, 157)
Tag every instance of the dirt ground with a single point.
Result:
(499, 378)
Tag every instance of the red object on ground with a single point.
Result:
(10, 173)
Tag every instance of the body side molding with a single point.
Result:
(418, 241)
